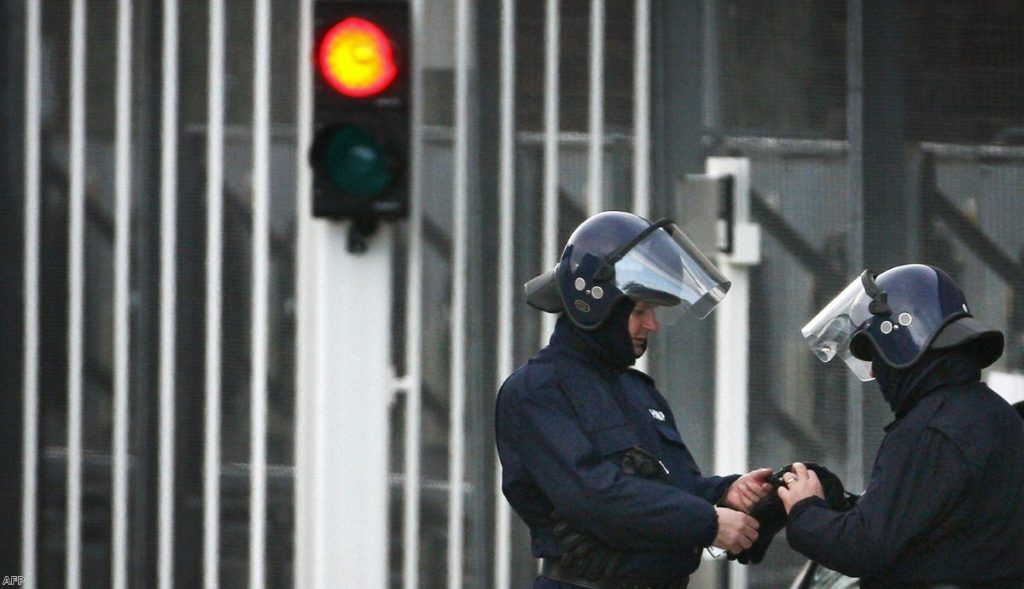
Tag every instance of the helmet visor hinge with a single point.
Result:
(880, 305)
(604, 272)
(879, 298)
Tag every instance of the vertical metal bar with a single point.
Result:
(460, 247)
(506, 264)
(168, 300)
(214, 241)
(551, 100)
(641, 110)
(855, 472)
(76, 294)
(260, 285)
(712, 80)
(595, 169)
(33, 100)
(641, 121)
(414, 317)
(307, 553)
(122, 269)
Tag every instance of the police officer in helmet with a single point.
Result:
(945, 504)
(592, 460)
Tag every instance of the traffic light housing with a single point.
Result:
(360, 150)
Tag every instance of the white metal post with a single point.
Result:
(122, 276)
(732, 334)
(550, 254)
(76, 295)
(414, 317)
(214, 284)
(642, 110)
(459, 312)
(33, 173)
(168, 298)
(595, 159)
(642, 122)
(506, 289)
(260, 294)
(307, 556)
(344, 392)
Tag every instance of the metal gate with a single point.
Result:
(171, 365)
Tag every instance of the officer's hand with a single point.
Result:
(800, 483)
(737, 531)
(747, 490)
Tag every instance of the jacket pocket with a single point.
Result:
(672, 439)
(669, 434)
(611, 440)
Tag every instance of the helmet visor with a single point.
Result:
(665, 269)
(830, 331)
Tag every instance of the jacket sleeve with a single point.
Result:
(908, 494)
(713, 489)
(590, 490)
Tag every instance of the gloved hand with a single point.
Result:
(771, 514)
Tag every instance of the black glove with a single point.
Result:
(583, 553)
(771, 513)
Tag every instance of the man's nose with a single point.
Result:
(652, 321)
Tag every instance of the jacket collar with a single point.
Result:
(608, 347)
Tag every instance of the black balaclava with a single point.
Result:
(611, 340)
(904, 387)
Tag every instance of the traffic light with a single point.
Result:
(360, 145)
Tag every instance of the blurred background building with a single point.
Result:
(155, 223)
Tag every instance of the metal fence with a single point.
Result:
(158, 243)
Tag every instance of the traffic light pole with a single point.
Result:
(355, 122)
(344, 392)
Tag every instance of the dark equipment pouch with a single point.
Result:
(586, 555)
(640, 463)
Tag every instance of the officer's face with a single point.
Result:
(642, 322)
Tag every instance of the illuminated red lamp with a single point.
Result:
(356, 58)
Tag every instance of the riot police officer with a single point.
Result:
(945, 503)
(592, 460)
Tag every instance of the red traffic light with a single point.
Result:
(356, 58)
(361, 116)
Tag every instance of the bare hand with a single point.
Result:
(801, 483)
(747, 490)
(737, 531)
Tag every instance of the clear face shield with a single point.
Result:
(831, 330)
(662, 267)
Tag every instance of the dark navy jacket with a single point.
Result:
(563, 420)
(946, 497)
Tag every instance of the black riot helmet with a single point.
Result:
(899, 315)
(613, 255)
